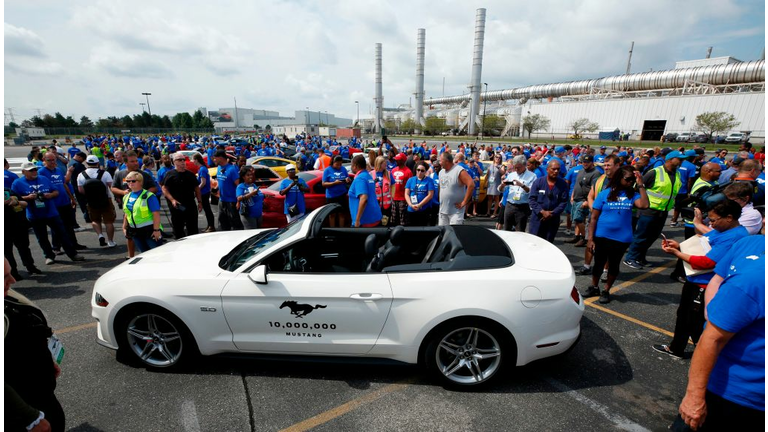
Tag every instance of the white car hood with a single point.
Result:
(535, 253)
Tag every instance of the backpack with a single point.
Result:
(95, 191)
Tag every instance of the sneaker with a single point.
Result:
(678, 278)
(102, 241)
(584, 271)
(77, 258)
(210, 229)
(34, 270)
(80, 229)
(572, 239)
(645, 263)
(581, 243)
(604, 276)
(568, 232)
(674, 224)
(80, 247)
(49, 261)
(664, 349)
(111, 244)
(633, 264)
(590, 291)
(605, 297)
(58, 252)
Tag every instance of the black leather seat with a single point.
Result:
(386, 255)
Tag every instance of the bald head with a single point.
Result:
(750, 168)
(459, 157)
(710, 171)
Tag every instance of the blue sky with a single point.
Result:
(95, 58)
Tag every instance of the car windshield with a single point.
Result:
(250, 247)
(302, 175)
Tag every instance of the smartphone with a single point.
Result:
(663, 237)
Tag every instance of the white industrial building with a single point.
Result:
(245, 119)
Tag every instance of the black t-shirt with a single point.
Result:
(78, 168)
(181, 185)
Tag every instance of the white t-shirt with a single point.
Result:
(106, 178)
(518, 195)
(751, 219)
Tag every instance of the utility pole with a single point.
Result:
(148, 107)
(142, 107)
(485, 102)
(39, 112)
(357, 103)
(629, 60)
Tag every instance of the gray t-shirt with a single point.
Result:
(584, 181)
(452, 191)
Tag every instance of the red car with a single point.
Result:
(273, 215)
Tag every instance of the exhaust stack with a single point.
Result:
(477, 70)
(420, 48)
(378, 99)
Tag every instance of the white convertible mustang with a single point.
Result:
(464, 301)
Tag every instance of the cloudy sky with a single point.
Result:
(96, 57)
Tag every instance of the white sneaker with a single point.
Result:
(80, 229)
(111, 244)
(49, 261)
(604, 276)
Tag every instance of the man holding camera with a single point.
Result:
(180, 188)
(293, 189)
(518, 182)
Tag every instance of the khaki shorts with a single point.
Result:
(105, 215)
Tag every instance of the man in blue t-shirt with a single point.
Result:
(39, 194)
(228, 178)
(364, 208)
(9, 176)
(65, 202)
(419, 191)
(726, 386)
(335, 181)
(293, 189)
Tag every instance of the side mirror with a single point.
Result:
(258, 274)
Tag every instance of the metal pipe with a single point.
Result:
(477, 70)
(629, 60)
(378, 99)
(734, 73)
(421, 35)
(709, 52)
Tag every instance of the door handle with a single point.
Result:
(366, 296)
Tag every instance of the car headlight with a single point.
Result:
(100, 301)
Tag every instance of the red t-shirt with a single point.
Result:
(400, 177)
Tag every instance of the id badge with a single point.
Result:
(517, 196)
(39, 204)
(56, 348)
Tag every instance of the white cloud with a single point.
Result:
(22, 42)
(114, 60)
(35, 68)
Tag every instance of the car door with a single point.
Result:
(307, 312)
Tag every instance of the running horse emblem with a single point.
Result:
(300, 310)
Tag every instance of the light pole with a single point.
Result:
(327, 120)
(148, 107)
(358, 113)
(142, 107)
(485, 100)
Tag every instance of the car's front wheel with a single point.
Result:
(468, 353)
(153, 337)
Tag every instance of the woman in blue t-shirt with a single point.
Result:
(610, 233)
(204, 180)
(249, 199)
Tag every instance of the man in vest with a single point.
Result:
(663, 183)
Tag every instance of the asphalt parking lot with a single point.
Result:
(612, 380)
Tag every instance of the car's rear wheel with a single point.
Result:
(155, 338)
(468, 353)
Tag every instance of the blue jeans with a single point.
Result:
(648, 229)
(40, 226)
(144, 244)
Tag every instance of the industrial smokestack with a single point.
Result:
(709, 52)
(477, 70)
(421, 36)
(629, 60)
(378, 99)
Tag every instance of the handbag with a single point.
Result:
(293, 210)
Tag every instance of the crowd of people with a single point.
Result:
(616, 203)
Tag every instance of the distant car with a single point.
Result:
(276, 163)
(670, 137)
(188, 155)
(684, 137)
(737, 137)
(574, 136)
(463, 301)
(700, 138)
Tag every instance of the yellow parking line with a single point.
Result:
(75, 328)
(635, 280)
(634, 320)
(340, 410)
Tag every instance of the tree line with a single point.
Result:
(181, 120)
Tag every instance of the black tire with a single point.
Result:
(471, 371)
(156, 332)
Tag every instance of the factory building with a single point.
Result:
(245, 120)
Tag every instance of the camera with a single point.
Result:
(704, 199)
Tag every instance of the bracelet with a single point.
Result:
(36, 422)
(157, 230)
(641, 186)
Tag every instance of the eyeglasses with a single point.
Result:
(421, 170)
(179, 160)
(713, 220)
(131, 181)
(629, 178)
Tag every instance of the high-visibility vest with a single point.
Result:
(325, 162)
(698, 184)
(140, 216)
(383, 194)
(662, 194)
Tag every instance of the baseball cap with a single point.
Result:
(92, 160)
(559, 149)
(28, 166)
(699, 151)
(690, 153)
(666, 150)
(220, 153)
(737, 160)
(587, 158)
(603, 147)
(401, 157)
(622, 154)
(672, 155)
(290, 167)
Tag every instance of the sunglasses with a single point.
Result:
(629, 178)
(131, 181)
(421, 170)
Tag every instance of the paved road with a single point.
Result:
(612, 380)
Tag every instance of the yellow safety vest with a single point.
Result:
(662, 194)
(698, 184)
(140, 216)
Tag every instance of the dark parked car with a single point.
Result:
(670, 137)
(700, 138)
